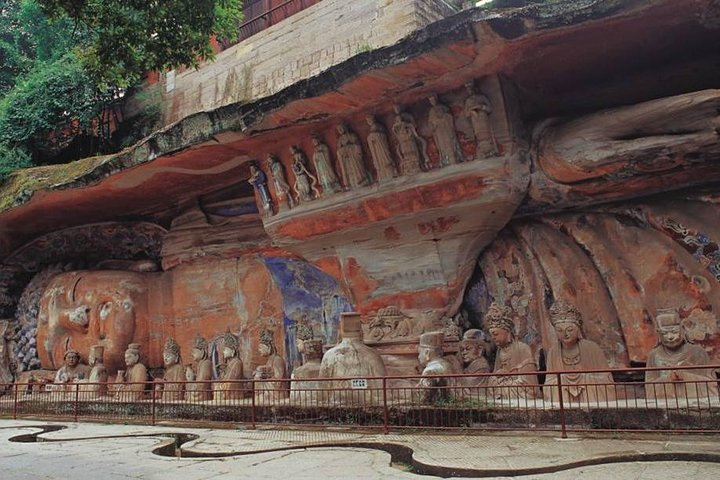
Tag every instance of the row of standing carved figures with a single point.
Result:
(410, 151)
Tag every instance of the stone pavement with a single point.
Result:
(80, 452)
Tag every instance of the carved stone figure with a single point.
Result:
(473, 348)
(132, 382)
(174, 372)
(379, 147)
(575, 353)
(304, 377)
(274, 368)
(442, 124)
(258, 180)
(389, 322)
(97, 380)
(351, 358)
(82, 309)
(324, 168)
(73, 370)
(411, 147)
(674, 350)
(282, 189)
(305, 182)
(201, 369)
(478, 110)
(7, 363)
(230, 386)
(512, 357)
(350, 158)
(434, 385)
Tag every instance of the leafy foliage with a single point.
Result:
(128, 38)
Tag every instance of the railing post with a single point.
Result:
(385, 406)
(15, 402)
(252, 411)
(77, 400)
(563, 428)
(152, 407)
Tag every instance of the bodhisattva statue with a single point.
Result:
(512, 357)
(71, 372)
(282, 189)
(173, 388)
(274, 368)
(201, 369)
(442, 124)
(478, 110)
(351, 358)
(473, 348)
(304, 377)
(675, 350)
(434, 386)
(258, 180)
(98, 378)
(411, 147)
(230, 385)
(323, 166)
(575, 353)
(305, 182)
(379, 147)
(7, 363)
(350, 158)
(132, 382)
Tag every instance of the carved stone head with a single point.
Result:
(669, 328)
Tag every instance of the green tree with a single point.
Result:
(128, 38)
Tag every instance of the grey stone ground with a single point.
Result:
(77, 458)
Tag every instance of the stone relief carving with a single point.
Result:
(575, 353)
(200, 372)
(324, 167)
(174, 372)
(72, 371)
(282, 189)
(411, 147)
(512, 356)
(274, 368)
(442, 124)
(304, 378)
(674, 350)
(379, 147)
(434, 385)
(98, 378)
(131, 383)
(389, 323)
(258, 180)
(478, 110)
(230, 385)
(305, 182)
(7, 360)
(350, 158)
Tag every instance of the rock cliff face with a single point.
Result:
(520, 155)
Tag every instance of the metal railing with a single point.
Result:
(681, 399)
(261, 14)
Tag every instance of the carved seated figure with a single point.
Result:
(201, 388)
(351, 358)
(434, 386)
(473, 348)
(575, 353)
(97, 380)
(133, 381)
(303, 377)
(675, 350)
(7, 362)
(230, 385)
(173, 388)
(513, 357)
(70, 373)
(274, 368)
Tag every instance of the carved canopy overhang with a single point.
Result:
(563, 60)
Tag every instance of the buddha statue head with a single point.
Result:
(132, 355)
(82, 309)
(669, 328)
(266, 347)
(71, 358)
(171, 352)
(229, 344)
(499, 322)
(430, 347)
(199, 349)
(473, 345)
(567, 321)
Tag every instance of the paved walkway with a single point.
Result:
(100, 452)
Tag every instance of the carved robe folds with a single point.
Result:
(514, 358)
(579, 387)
